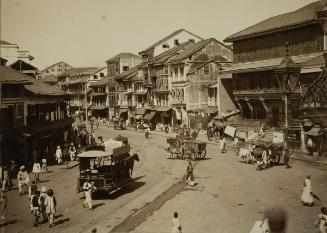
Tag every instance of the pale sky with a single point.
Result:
(88, 32)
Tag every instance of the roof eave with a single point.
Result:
(232, 39)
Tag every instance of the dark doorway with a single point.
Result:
(275, 116)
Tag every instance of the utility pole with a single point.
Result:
(86, 115)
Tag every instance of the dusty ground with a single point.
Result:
(229, 197)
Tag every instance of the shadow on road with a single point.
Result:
(61, 221)
(98, 205)
(138, 178)
(14, 221)
(43, 181)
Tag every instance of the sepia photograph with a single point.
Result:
(175, 116)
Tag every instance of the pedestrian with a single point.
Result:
(72, 152)
(322, 220)
(44, 165)
(50, 206)
(3, 205)
(6, 179)
(190, 176)
(23, 180)
(223, 145)
(177, 227)
(286, 158)
(88, 188)
(236, 148)
(13, 171)
(36, 171)
(307, 198)
(59, 155)
(41, 201)
(35, 208)
(32, 189)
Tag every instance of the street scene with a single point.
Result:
(178, 128)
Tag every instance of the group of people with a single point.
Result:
(71, 151)
(43, 204)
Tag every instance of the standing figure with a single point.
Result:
(44, 165)
(32, 190)
(36, 171)
(50, 206)
(42, 198)
(6, 179)
(35, 208)
(307, 198)
(322, 220)
(286, 158)
(177, 227)
(23, 180)
(190, 176)
(59, 155)
(72, 152)
(222, 145)
(88, 188)
(3, 205)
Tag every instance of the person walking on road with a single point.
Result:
(177, 227)
(59, 155)
(50, 206)
(3, 205)
(36, 171)
(190, 176)
(42, 198)
(322, 220)
(222, 145)
(6, 179)
(23, 179)
(35, 208)
(72, 152)
(44, 165)
(307, 197)
(88, 188)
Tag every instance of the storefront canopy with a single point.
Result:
(149, 116)
(101, 107)
(162, 109)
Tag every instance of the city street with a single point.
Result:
(229, 197)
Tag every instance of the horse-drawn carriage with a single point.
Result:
(262, 152)
(185, 147)
(109, 167)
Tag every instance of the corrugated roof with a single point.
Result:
(11, 76)
(123, 55)
(303, 15)
(127, 73)
(41, 88)
(167, 38)
(80, 71)
(161, 58)
(194, 48)
(101, 82)
(318, 61)
(50, 79)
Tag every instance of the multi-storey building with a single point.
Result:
(190, 72)
(122, 62)
(33, 118)
(54, 70)
(260, 52)
(25, 68)
(76, 83)
(12, 53)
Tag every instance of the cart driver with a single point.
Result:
(88, 188)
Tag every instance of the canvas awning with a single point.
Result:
(100, 107)
(315, 131)
(149, 116)
(162, 109)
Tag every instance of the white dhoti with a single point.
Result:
(88, 199)
(307, 197)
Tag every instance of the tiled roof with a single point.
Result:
(19, 63)
(101, 82)
(50, 79)
(2, 42)
(80, 71)
(303, 15)
(194, 48)
(315, 62)
(54, 65)
(167, 38)
(123, 55)
(161, 58)
(11, 76)
(127, 73)
(41, 88)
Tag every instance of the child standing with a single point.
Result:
(35, 208)
(44, 165)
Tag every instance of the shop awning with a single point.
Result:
(98, 107)
(162, 109)
(139, 112)
(315, 131)
(41, 128)
(149, 116)
(138, 117)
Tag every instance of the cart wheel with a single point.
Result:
(275, 160)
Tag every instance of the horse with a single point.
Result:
(130, 162)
